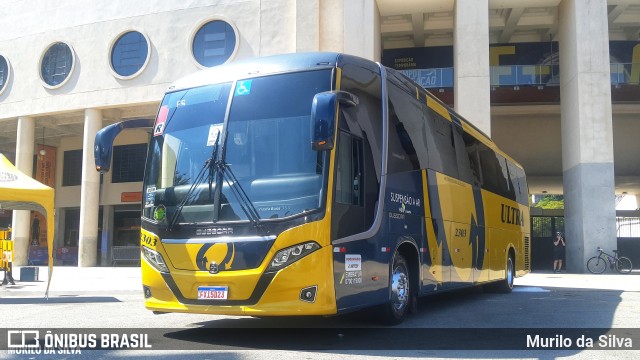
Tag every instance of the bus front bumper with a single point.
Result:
(305, 287)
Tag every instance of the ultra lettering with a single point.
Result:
(511, 215)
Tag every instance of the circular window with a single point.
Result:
(129, 54)
(56, 65)
(4, 73)
(214, 43)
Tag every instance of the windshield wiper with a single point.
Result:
(214, 167)
(209, 164)
(245, 203)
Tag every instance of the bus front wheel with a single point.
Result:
(396, 308)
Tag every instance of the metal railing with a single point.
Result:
(625, 73)
(517, 75)
(431, 78)
(125, 254)
(628, 227)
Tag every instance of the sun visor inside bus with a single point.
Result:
(296, 186)
(105, 137)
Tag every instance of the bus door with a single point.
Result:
(406, 200)
(358, 164)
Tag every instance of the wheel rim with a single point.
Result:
(400, 288)
(597, 265)
(510, 273)
(623, 265)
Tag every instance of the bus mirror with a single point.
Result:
(104, 141)
(323, 117)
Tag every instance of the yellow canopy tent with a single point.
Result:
(21, 192)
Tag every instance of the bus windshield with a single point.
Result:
(266, 146)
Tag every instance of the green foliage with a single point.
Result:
(551, 202)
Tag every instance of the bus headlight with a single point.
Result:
(154, 258)
(289, 255)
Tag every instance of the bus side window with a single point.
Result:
(349, 170)
(442, 154)
(516, 177)
(407, 145)
(472, 146)
(465, 167)
(495, 173)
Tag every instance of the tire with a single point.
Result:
(623, 265)
(596, 265)
(505, 286)
(396, 309)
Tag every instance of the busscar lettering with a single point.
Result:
(512, 215)
(214, 231)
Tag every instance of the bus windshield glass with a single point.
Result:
(263, 150)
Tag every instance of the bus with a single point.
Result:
(319, 184)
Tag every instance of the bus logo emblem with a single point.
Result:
(213, 268)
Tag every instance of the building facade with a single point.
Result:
(69, 69)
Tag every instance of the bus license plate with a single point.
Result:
(212, 292)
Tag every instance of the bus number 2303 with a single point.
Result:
(461, 232)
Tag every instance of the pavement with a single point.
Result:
(71, 279)
(75, 280)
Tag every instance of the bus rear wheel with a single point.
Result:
(395, 310)
(505, 285)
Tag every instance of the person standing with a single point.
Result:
(7, 258)
(558, 252)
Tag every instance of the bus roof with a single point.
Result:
(257, 66)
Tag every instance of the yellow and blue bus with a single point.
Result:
(319, 184)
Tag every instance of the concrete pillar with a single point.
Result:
(107, 235)
(59, 239)
(587, 135)
(307, 25)
(331, 25)
(361, 32)
(20, 223)
(89, 192)
(472, 87)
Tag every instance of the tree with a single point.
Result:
(551, 202)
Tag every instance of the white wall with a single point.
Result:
(91, 28)
(265, 27)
